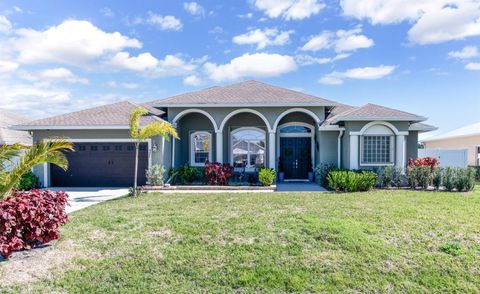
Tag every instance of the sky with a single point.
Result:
(421, 56)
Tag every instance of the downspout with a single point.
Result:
(339, 151)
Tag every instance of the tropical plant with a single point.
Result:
(155, 175)
(321, 172)
(266, 176)
(217, 173)
(28, 181)
(51, 151)
(351, 181)
(138, 134)
(437, 178)
(187, 174)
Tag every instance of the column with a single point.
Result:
(173, 147)
(271, 150)
(400, 152)
(219, 146)
(354, 151)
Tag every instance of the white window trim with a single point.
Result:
(192, 151)
(247, 169)
(392, 151)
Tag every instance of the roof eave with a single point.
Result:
(247, 104)
(70, 127)
(379, 118)
(448, 138)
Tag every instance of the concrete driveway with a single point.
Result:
(84, 197)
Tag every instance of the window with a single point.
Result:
(118, 147)
(248, 148)
(94, 148)
(130, 148)
(377, 149)
(82, 148)
(142, 147)
(106, 148)
(200, 148)
(295, 130)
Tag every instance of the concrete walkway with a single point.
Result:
(300, 187)
(84, 197)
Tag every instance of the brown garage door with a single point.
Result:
(101, 165)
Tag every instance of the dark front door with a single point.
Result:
(101, 165)
(296, 156)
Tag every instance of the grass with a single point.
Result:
(381, 241)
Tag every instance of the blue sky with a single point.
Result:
(418, 56)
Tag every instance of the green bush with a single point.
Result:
(28, 181)
(186, 174)
(464, 179)
(438, 178)
(155, 175)
(419, 176)
(477, 172)
(449, 178)
(351, 181)
(266, 176)
(321, 172)
(389, 176)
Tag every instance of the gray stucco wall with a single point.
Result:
(328, 147)
(411, 140)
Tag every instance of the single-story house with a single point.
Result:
(467, 137)
(248, 124)
(9, 136)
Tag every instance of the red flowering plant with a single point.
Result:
(432, 162)
(217, 173)
(31, 218)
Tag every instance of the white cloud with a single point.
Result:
(164, 23)
(258, 65)
(263, 38)
(246, 15)
(194, 8)
(466, 53)
(7, 66)
(192, 80)
(340, 41)
(5, 25)
(434, 21)
(107, 12)
(72, 42)
(130, 86)
(473, 66)
(360, 73)
(142, 62)
(289, 9)
(60, 74)
(303, 59)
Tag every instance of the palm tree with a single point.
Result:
(159, 128)
(50, 151)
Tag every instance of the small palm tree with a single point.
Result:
(50, 151)
(160, 128)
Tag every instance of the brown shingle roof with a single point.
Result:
(114, 115)
(251, 93)
(9, 136)
(376, 112)
(337, 111)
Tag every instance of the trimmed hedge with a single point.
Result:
(30, 218)
(351, 181)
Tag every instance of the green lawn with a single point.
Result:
(382, 241)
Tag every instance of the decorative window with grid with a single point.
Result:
(200, 148)
(248, 148)
(377, 150)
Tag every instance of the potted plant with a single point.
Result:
(281, 174)
(310, 171)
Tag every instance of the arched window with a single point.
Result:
(377, 146)
(248, 148)
(200, 148)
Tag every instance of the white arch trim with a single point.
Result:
(195, 110)
(235, 112)
(384, 123)
(309, 112)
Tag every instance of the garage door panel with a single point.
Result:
(101, 164)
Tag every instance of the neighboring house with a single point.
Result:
(9, 136)
(249, 124)
(467, 137)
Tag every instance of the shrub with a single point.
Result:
(426, 161)
(477, 172)
(186, 174)
(389, 176)
(28, 181)
(351, 181)
(449, 179)
(321, 172)
(155, 175)
(30, 218)
(438, 178)
(464, 179)
(266, 176)
(420, 175)
(217, 173)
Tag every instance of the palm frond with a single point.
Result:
(8, 153)
(137, 113)
(160, 128)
